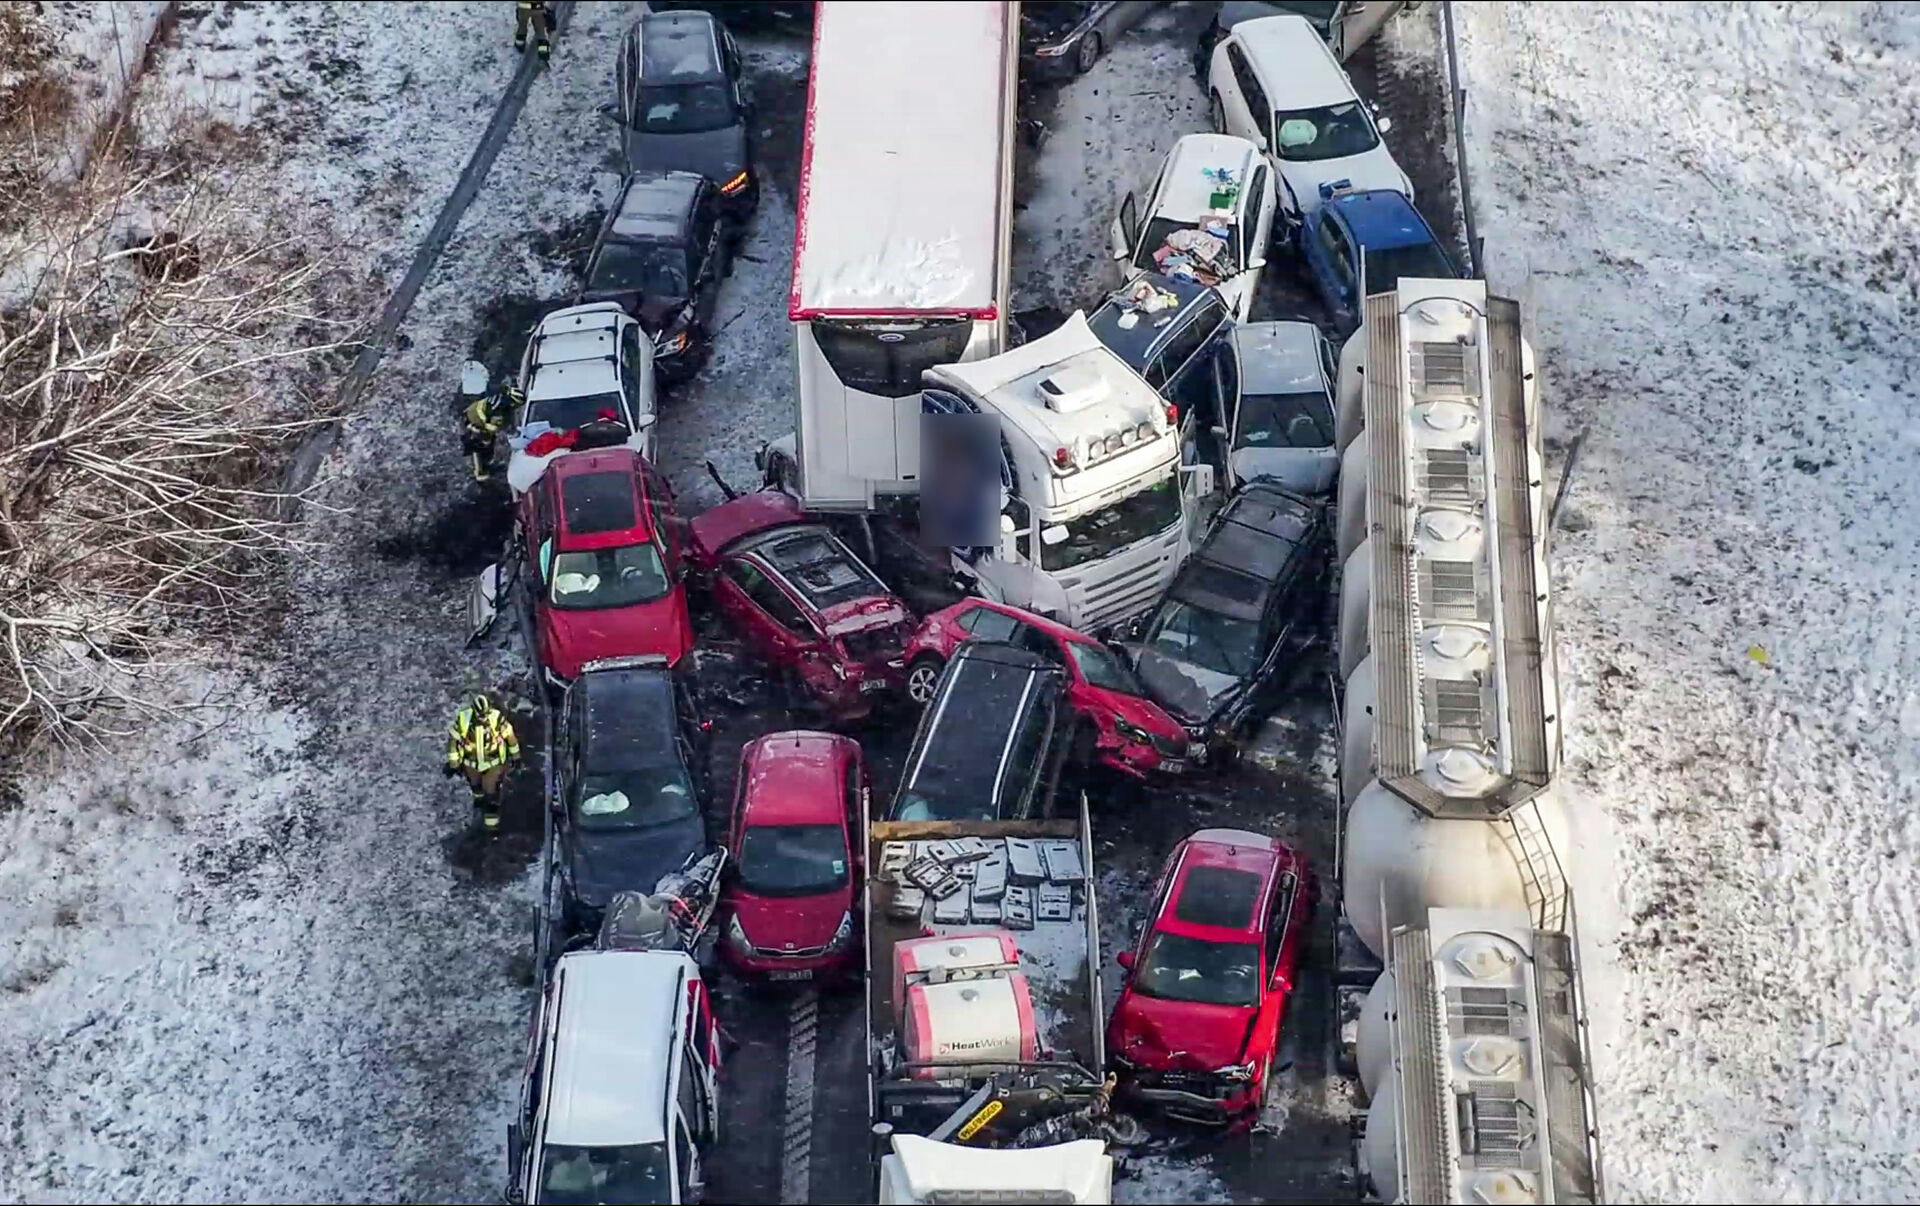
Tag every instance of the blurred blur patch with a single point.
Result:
(960, 466)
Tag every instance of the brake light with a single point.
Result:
(734, 185)
(1062, 457)
(1173, 415)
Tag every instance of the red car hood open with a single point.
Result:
(1180, 1036)
(791, 922)
(862, 614)
(1140, 712)
(574, 638)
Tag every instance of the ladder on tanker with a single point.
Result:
(1542, 878)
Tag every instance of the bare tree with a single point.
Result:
(156, 362)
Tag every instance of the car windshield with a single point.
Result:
(1102, 669)
(565, 414)
(634, 1172)
(622, 577)
(793, 860)
(1330, 133)
(633, 799)
(1178, 968)
(1044, 19)
(1302, 420)
(1144, 513)
(1207, 639)
(684, 108)
(655, 269)
(1385, 266)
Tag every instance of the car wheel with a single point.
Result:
(1088, 54)
(1219, 114)
(921, 679)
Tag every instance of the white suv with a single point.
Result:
(622, 1091)
(1274, 82)
(1208, 180)
(579, 362)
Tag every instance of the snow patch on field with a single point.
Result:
(1726, 305)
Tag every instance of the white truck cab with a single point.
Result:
(621, 1091)
(923, 1170)
(1096, 519)
(1207, 217)
(579, 362)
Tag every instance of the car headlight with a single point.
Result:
(673, 344)
(839, 670)
(1133, 732)
(844, 934)
(735, 185)
(737, 935)
(1236, 1072)
(1050, 52)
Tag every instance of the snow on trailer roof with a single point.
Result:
(900, 179)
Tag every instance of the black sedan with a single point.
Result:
(662, 254)
(630, 780)
(1061, 40)
(681, 106)
(1214, 652)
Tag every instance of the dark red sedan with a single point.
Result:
(803, 602)
(604, 561)
(1118, 725)
(1195, 1029)
(788, 909)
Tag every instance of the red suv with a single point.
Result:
(1197, 1024)
(1119, 726)
(803, 601)
(604, 556)
(787, 911)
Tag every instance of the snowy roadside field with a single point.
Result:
(1711, 213)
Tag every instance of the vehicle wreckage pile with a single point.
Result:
(1168, 491)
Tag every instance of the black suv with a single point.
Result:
(1185, 351)
(681, 107)
(1211, 652)
(630, 758)
(660, 254)
(990, 742)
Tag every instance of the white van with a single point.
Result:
(621, 1095)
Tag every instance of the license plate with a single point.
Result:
(873, 686)
(1173, 766)
(803, 974)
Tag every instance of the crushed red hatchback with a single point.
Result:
(1118, 725)
(1195, 1029)
(604, 569)
(787, 911)
(803, 602)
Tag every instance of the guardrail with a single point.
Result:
(1457, 107)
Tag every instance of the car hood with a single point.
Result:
(791, 922)
(572, 638)
(1139, 712)
(1308, 471)
(1191, 693)
(719, 155)
(1233, 12)
(1370, 169)
(630, 860)
(1180, 1036)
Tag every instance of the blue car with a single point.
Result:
(1363, 242)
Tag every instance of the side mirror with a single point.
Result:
(1053, 534)
(645, 421)
(1385, 124)
(483, 605)
(609, 110)
(1218, 430)
(1124, 959)
(1117, 239)
(1202, 479)
(1006, 524)
(516, 1155)
(1260, 138)
(1256, 263)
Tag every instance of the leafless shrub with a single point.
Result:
(156, 342)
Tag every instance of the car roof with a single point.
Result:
(812, 560)
(1136, 345)
(1296, 68)
(1223, 904)
(577, 333)
(1238, 567)
(797, 778)
(602, 504)
(994, 683)
(1278, 357)
(679, 48)
(613, 1048)
(573, 379)
(630, 720)
(724, 526)
(1187, 191)
(1382, 217)
(1051, 627)
(656, 206)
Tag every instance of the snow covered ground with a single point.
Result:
(1711, 214)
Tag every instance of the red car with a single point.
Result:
(1196, 1026)
(804, 602)
(787, 911)
(1119, 726)
(604, 550)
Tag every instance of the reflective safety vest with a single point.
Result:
(489, 414)
(480, 744)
